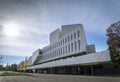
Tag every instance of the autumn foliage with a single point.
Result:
(113, 33)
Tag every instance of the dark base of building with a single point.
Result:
(77, 70)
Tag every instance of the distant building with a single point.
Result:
(1, 67)
(68, 52)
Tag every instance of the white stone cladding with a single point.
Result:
(68, 40)
(30, 61)
(68, 44)
(89, 59)
(34, 56)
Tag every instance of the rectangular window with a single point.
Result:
(75, 45)
(66, 49)
(78, 33)
(79, 44)
(72, 47)
(68, 38)
(61, 42)
(65, 40)
(55, 53)
(59, 51)
(71, 37)
(63, 49)
(74, 35)
(55, 46)
(69, 48)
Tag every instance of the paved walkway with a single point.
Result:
(58, 78)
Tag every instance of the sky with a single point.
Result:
(25, 24)
(10, 59)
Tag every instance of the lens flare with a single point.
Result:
(11, 29)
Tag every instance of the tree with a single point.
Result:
(24, 64)
(113, 33)
(14, 67)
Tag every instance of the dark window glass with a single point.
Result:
(71, 46)
(65, 40)
(75, 46)
(71, 37)
(63, 50)
(78, 33)
(74, 35)
(79, 44)
(66, 48)
(68, 38)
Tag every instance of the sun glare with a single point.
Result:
(11, 29)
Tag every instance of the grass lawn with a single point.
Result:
(13, 74)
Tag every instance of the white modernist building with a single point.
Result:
(68, 52)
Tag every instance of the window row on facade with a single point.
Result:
(67, 49)
(64, 41)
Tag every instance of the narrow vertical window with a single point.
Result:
(66, 48)
(71, 37)
(59, 51)
(72, 47)
(74, 35)
(63, 49)
(55, 53)
(65, 40)
(69, 48)
(55, 46)
(78, 34)
(75, 46)
(68, 38)
(61, 42)
(79, 44)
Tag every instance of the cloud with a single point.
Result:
(20, 46)
(37, 18)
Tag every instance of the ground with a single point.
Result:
(58, 78)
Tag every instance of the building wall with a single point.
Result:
(35, 54)
(91, 48)
(67, 41)
(89, 59)
(54, 36)
(68, 51)
(30, 61)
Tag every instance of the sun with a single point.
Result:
(11, 29)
